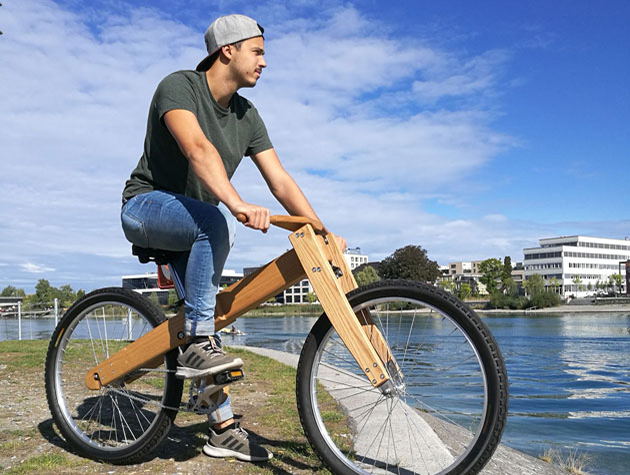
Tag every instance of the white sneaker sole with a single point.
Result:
(184, 372)
(213, 451)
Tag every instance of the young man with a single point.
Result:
(179, 197)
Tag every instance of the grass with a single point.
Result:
(572, 461)
(24, 354)
(51, 461)
(271, 412)
(280, 414)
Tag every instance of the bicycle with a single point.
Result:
(394, 377)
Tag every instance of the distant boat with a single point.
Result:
(232, 331)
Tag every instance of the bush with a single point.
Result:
(514, 302)
(545, 299)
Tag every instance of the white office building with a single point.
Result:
(298, 293)
(354, 258)
(574, 265)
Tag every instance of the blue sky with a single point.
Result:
(470, 128)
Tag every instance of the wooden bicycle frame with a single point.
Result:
(316, 256)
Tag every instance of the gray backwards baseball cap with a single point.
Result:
(226, 30)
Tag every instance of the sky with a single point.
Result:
(472, 129)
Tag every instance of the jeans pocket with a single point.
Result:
(134, 229)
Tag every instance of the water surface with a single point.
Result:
(569, 377)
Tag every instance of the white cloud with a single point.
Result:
(454, 77)
(36, 268)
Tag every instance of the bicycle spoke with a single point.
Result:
(109, 420)
(432, 411)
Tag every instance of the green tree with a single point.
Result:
(599, 286)
(491, 272)
(535, 285)
(448, 285)
(173, 299)
(44, 292)
(509, 286)
(66, 295)
(578, 282)
(618, 280)
(507, 268)
(366, 276)
(11, 291)
(410, 262)
(311, 297)
(464, 291)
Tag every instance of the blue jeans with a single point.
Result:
(201, 234)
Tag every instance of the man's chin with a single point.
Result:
(250, 84)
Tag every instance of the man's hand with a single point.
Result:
(257, 216)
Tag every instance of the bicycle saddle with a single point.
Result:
(145, 255)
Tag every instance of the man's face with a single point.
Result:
(248, 62)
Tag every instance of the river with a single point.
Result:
(569, 377)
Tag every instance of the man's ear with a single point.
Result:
(227, 51)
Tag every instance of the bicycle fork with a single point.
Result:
(314, 256)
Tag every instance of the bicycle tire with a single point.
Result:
(446, 414)
(123, 421)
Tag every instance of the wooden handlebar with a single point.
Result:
(292, 223)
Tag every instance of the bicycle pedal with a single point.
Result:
(228, 377)
(202, 390)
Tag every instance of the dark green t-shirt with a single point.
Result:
(235, 132)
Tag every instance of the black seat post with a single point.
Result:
(160, 257)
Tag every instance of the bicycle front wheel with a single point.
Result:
(123, 421)
(446, 407)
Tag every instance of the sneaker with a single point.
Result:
(235, 442)
(204, 357)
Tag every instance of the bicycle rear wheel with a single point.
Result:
(446, 408)
(123, 421)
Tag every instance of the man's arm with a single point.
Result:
(285, 189)
(282, 185)
(208, 166)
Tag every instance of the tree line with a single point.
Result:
(45, 294)
(412, 262)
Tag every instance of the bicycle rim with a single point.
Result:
(439, 416)
(120, 418)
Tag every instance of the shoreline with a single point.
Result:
(561, 309)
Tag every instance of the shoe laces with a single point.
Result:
(239, 431)
(212, 347)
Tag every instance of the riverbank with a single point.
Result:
(316, 310)
(563, 309)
